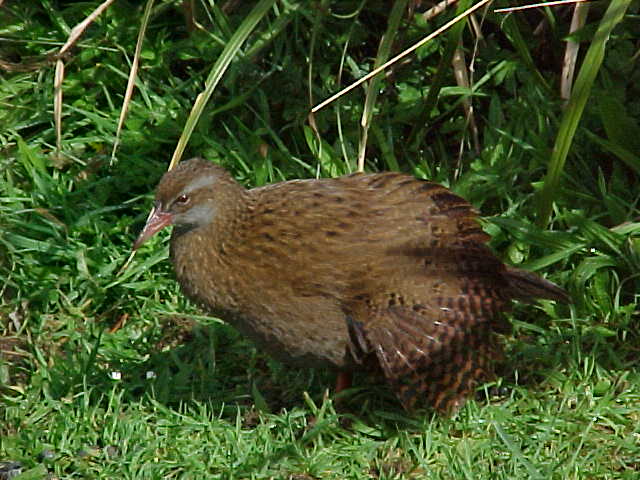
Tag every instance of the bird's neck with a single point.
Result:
(200, 255)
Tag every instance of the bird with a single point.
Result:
(380, 272)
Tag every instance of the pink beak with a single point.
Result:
(157, 221)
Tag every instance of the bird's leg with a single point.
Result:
(343, 381)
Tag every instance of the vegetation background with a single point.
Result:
(109, 374)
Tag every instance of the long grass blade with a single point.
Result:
(437, 81)
(384, 50)
(573, 113)
(133, 75)
(218, 70)
(57, 103)
(400, 56)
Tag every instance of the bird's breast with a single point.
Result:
(296, 328)
(202, 274)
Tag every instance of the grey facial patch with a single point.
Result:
(196, 216)
(198, 183)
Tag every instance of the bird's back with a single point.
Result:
(340, 229)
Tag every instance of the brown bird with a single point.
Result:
(380, 269)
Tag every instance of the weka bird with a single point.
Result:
(367, 268)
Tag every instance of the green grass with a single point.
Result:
(108, 375)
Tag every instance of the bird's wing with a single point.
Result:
(429, 297)
(432, 331)
(406, 260)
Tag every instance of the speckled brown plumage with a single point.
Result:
(345, 271)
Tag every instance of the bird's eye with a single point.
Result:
(182, 199)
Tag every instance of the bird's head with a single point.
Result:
(188, 197)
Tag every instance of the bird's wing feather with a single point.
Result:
(432, 330)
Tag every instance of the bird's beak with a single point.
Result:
(157, 221)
